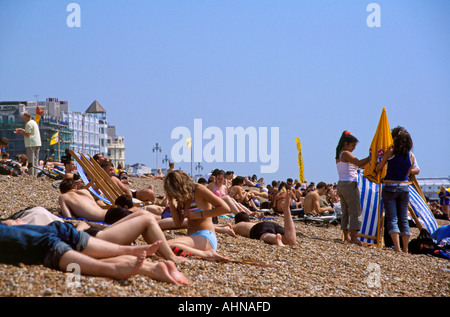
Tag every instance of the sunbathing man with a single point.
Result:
(311, 204)
(268, 231)
(145, 194)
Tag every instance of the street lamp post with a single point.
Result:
(156, 148)
(165, 160)
(199, 168)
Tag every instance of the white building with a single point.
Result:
(138, 169)
(89, 130)
(116, 147)
(431, 186)
(98, 111)
(86, 137)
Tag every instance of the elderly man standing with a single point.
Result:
(32, 138)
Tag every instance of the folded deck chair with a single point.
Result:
(370, 211)
(419, 209)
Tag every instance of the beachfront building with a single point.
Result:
(96, 110)
(85, 132)
(49, 124)
(90, 130)
(82, 132)
(430, 186)
(116, 147)
(138, 169)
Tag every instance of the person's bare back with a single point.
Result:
(311, 203)
(80, 204)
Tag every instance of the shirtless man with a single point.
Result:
(145, 194)
(78, 203)
(268, 231)
(311, 203)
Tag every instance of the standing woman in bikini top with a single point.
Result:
(182, 193)
(347, 166)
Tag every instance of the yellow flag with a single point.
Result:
(380, 143)
(55, 138)
(301, 173)
(189, 142)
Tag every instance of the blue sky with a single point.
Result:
(310, 68)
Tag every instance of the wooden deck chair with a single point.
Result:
(371, 212)
(100, 182)
(111, 186)
(90, 185)
(419, 209)
(92, 181)
(105, 184)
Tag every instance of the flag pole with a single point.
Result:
(380, 218)
(59, 153)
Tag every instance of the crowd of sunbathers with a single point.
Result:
(102, 245)
(190, 205)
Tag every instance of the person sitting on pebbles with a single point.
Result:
(144, 194)
(311, 204)
(197, 204)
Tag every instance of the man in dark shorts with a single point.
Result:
(268, 231)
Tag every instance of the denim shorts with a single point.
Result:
(34, 244)
(395, 202)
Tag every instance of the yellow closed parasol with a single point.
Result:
(380, 143)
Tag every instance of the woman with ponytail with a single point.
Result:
(347, 166)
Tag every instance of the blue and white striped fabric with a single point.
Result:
(85, 180)
(369, 192)
(420, 208)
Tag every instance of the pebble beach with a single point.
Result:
(319, 265)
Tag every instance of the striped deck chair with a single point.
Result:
(85, 180)
(419, 208)
(371, 226)
(99, 183)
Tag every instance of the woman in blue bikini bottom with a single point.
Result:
(209, 235)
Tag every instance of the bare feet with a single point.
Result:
(125, 270)
(228, 229)
(279, 240)
(165, 272)
(177, 275)
(355, 241)
(148, 248)
(212, 255)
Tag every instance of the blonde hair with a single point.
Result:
(178, 185)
